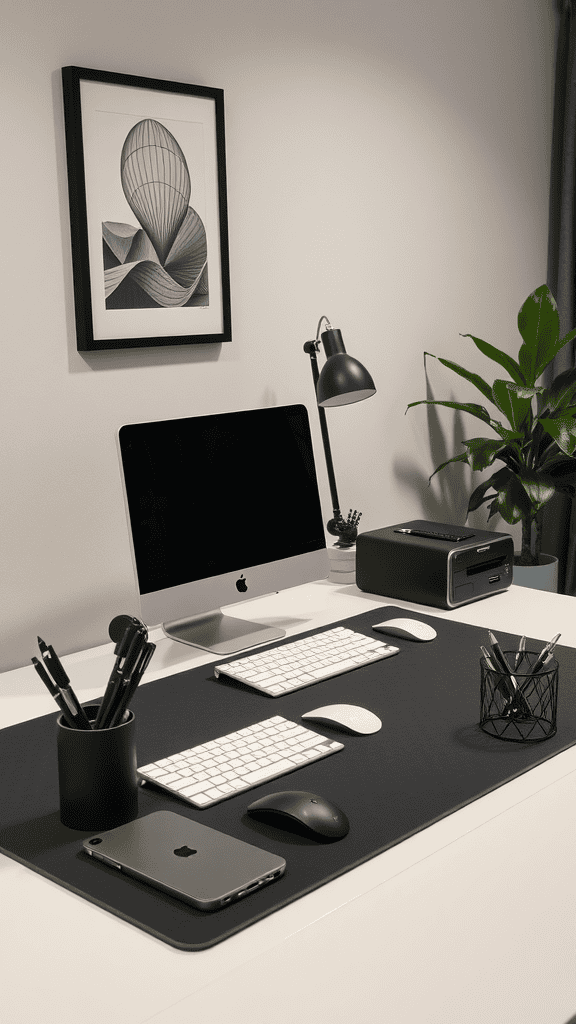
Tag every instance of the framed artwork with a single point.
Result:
(148, 212)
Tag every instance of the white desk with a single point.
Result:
(471, 921)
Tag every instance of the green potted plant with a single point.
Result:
(535, 430)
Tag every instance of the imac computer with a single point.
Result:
(221, 509)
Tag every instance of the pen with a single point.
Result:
(53, 665)
(127, 671)
(52, 662)
(487, 658)
(520, 652)
(501, 661)
(129, 690)
(55, 692)
(502, 683)
(542, 658)
(134, 640)
(121, 650)
(433, 536)
(514, 689)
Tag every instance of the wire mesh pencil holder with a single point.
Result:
(520, 707)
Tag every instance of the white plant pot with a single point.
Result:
(342, 564)
(540, 577)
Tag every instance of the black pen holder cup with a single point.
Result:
(97, 774)
(527, 713)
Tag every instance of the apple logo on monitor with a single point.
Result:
(241, 584)
(184, 851)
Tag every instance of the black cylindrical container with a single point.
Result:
(97, 774)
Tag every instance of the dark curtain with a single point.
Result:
(559, 531)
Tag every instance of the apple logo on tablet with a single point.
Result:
(184, 851)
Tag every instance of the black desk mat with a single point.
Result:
(429, 759)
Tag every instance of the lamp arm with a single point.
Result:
(310, 347)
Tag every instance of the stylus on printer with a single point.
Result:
(435, 536)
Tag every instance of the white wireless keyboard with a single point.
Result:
(303, 662)
(210, 772)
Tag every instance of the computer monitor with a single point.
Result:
(221, 509)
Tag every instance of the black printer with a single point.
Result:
(434, 563)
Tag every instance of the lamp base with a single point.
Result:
(342, 564)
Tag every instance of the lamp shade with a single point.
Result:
(343, 380)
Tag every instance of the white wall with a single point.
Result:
(388, 166)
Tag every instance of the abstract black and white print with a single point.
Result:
(162, 263)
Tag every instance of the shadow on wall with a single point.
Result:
(445, 499)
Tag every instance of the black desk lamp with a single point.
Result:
(343, 380)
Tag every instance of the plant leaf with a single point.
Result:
(563, 429)
(559, 469)
(474, 378)
(522, 391)
(475, 410)
(482, 451)
(513, 501)
(561, 391)
(455, 458)
(539, 325)
(504, 433)
(478, 496)
(493, 508)
(514, 408)
(509, 364)
(538, 489)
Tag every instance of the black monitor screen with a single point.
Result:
(213, 494)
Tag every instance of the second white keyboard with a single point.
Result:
(303, 662)
(210, 772)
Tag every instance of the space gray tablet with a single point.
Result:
(185, 859)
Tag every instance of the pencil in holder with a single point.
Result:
(520, 706)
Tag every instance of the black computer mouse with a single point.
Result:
(305, 813)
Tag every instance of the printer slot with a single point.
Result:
(493, 563)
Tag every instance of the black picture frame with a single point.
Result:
(155, 271)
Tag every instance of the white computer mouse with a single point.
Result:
(408, 629)
(346, 716)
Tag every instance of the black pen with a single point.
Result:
(502, 663)
(502, 684)
(55, 692)
(520, 651)
(129, 690)
(433, 535)
(544, 654)
(121, 650)
(135, 639)
(126, 673)
(487, 658)
(54, 666)
(515, 691)
(542, 658)
(52, 662)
